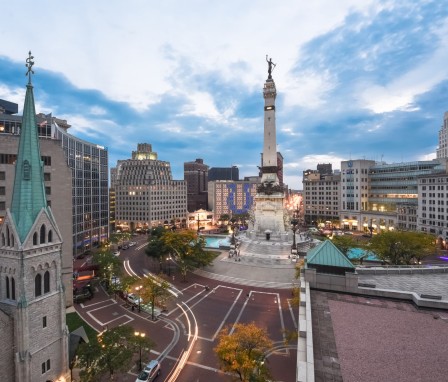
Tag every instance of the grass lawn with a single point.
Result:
(74, 321)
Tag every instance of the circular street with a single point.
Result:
(187, 330)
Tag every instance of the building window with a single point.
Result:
(8, 294)
(46, 282)
(35, 238)
(50, 236)
(42, 234)
(38, 285)
(13, 288)
(44, 321)
(2, 175)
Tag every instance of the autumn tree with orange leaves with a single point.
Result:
(242, 352)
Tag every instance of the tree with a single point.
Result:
(156, 247)
(402, 247)
(344, 243)
(109, 265)
(243, 352)
(188, 249)
(119, 237)
(113, 352)
(155, 290)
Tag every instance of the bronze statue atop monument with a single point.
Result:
(271, 67)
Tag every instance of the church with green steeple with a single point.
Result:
(32, 301)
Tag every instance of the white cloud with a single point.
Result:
(97, 110)
(400, 93)
(15, 95)
(131, 55)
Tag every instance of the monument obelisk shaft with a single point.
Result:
(268, 212)
(269, 164)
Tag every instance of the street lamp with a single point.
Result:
(140, 336)
(294, 223)
(138, 295)
(169, 265)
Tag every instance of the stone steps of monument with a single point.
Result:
(265, 249)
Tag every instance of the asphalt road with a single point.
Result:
(219, 305)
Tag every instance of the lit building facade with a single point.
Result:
(320, 198)
(231, 197)
(433, 206)
(145, 193)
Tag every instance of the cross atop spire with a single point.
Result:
(29, 64)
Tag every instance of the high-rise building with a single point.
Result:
(442, 150)
(231, 197)
(196, 176)
(32, 302)
(321, 196)
(145, 193)
(433, 206)
(76, 181)
(223, 173)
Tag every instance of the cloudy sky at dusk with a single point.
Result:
(359, 79)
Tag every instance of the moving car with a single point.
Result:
(134, 299)
(150, 372)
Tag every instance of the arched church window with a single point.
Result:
(3, 240)
(7, 237)
(42, 234)
(8, 294)
(13, 288)
(38, 285)
(12, 240)
(35, 238)
(50, 236)
(46, 282)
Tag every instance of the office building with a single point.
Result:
(231, 197)
(320, 197)
(442, 150)
(75, 175)
(223, 173)
(145, 193)
(196, 176)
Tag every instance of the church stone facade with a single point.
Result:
(32, 300)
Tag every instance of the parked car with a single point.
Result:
(124, 247)
(348, 233)
(117, 253)
(83, 295)
(150, 372)
(132, 243)
(134, 299)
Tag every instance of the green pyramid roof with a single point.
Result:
(28, 197)
(327, 254)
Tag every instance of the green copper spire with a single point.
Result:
(28, 197)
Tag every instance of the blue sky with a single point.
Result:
(355, 78)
